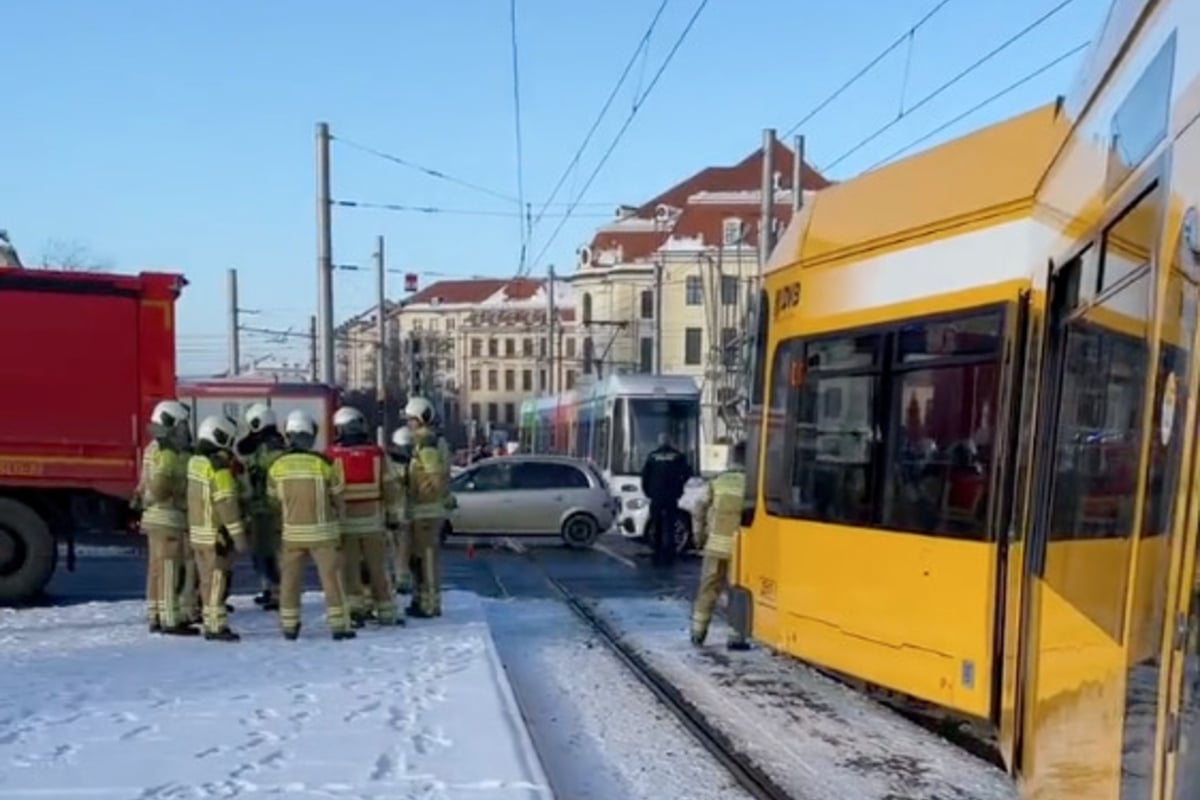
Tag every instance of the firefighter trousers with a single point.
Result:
(264, 544)
(165, 559)
(190, 605)
(714, 577)
(426, 553)
(329, 558)
(402, 556)
(214, 573)
(369, 551)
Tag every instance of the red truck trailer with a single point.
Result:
(85, 357)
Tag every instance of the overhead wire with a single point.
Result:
(982, 104)
(469, 212)
(612, 95)
(516, 85)
(838, 92)
(624, 127)
(905, 112)
(434, 173)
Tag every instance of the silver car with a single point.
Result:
(533, 495)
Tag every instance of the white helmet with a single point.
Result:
(220, 431)
(299, 422)
(420, 409)
(259, 416)
(348, 415)
(169, 413)
(403, 437)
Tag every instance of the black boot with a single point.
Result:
(292, 635)
(155, 626)
(341, 636)
(181, 630)
(223, 635)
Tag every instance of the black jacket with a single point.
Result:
(665, 474)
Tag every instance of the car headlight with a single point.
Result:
(636, 503)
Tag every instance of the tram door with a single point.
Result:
(1181, 740)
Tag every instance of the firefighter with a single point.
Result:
(162, 500)
(258, 449)
(401, 529)
(215, 521)
(430, 501)
(664, 476)
(722, 500)
(188, 580)
(371, 490)
(309, 489)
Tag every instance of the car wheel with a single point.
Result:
(580, 530)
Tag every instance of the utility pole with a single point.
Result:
(324, 256)
(312, 348)
(766, 224)
(550, 320)
(798, 175)
(658, 308)
(381, 330)
(235, 358)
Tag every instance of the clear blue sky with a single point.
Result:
(180, 135)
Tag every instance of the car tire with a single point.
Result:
(33, 552)
(580, 531)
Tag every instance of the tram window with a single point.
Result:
(756, 351)
(788, 368)
(941, 451)
(978, 335)
(1099, 428)
(848, 352)
(1129, 241)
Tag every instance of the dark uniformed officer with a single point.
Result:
(664, 475)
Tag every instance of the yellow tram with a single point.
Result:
(973, 473)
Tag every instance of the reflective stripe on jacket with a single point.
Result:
(309, 489)
(163, 488)
(371, 488)
(725, 512)
(212, 502)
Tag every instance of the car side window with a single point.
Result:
(492, 478)
(568, 477)
(533, 475)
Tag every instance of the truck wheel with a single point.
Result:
(27, 552)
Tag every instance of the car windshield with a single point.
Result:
(642, 423)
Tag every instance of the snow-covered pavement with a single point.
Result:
(91, 706)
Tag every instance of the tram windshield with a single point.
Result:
(639, 421)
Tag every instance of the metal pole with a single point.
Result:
(767, 218)
(381, 330)
(312, 348)
(235, 358)
(324, 257)
(550, 320)
(658, 325)
(798, 174)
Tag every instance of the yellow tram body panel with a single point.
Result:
(1068, 614)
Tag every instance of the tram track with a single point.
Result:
(744, 772)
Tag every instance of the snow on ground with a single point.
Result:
(418, 712)
(814, 736)
(601, 734)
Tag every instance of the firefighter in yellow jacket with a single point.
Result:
(162, 499)
(721, 509)
(429, 503)
(399, 523)
(310, 490)
(215, 526)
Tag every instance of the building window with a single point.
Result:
(493, 380)
(510, 347)
(510, 380)
(475, 382)
(477, 347)
(433, 324)
(493, 417)
(527, 380)
(450, 325)
(570, 347)
(541, 347)
(728, 346)
(646, 355)
(541, 380)
(475, 411)
(694, 291)
(729, 290)
(731, 232)
(570, 379)
(589, 355)
(493, 347)
(691, 346)
(587, 308)
(647, 304)
(510, 413)
(527, 347)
